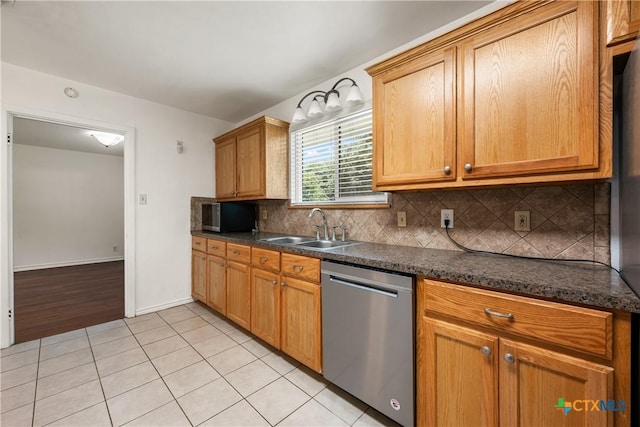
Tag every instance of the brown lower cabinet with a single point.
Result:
(301, 322)
(285, 305)
(216, 284)
(492, 368)
(274, 295)
(198, 268)
(239, 294)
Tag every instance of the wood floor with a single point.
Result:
(55, 300)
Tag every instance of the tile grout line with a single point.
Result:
(175, 399)
(243, 398)
(189, 344)
(205, 360)
(158, 372)
(95, 365)
(35, 391)
(212, 367)
(264, 386)
(73, 413)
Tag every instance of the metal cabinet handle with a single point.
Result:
(215, 248)
(282, 284)
(236, 252)
(447, 170)
(263, 259)
(468, 167)
(298, 268)
(498, 314)
(486, 351)
(274, 282)
(509, 358)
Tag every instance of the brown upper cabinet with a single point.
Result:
(509, 98)
(251, 161)
(623, 21)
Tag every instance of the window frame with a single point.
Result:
(374, 200)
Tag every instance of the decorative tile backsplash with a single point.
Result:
(570, 221)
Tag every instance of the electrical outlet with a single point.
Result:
(446, 214)
(142, 199)
(265, 215)
(402, 219)
(522, 221)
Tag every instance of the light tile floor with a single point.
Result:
(184, 366)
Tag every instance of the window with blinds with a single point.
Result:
(331, 163)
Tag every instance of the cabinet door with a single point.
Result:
(623, 20)
(529, 94)
(239, 294)
(216, 284)
(457, 375)
(199, 275)
(301, 328)
(415, 122)
(250, 163)
(537, 384)
(226, 168)
(265, 306)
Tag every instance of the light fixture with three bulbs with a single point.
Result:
(331, 100)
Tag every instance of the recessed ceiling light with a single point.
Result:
(71, 92)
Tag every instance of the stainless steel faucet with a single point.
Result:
(324, 221)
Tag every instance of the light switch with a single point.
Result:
(142, 199)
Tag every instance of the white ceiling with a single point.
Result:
(224, 59)
(62, 137)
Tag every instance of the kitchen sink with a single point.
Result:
(288, 240)
(326, 244)
(309, 242)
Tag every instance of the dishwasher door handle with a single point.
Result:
(364, 287)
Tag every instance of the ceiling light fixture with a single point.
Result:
(107, 139)
(71, 92)
(331, 100)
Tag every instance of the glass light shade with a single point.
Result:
(299, 116)
(107, 139)
(315, 109)
(333, 102)
(354, 97)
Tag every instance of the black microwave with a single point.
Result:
(227, 217)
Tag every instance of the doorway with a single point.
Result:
(104, 267)
(68, 228)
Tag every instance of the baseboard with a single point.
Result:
(155, 308)
(66, 264)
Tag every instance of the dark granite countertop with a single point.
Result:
(579, 283)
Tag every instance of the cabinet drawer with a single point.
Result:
(265, 258)
(198, 243)
(301, 267)
(216, 247)
(576, 328)
(239, 253)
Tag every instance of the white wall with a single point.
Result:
(169, 179)
(68, 207)
(285, 109)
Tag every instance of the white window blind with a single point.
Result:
(331, 163)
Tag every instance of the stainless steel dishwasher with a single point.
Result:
(368, 336)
